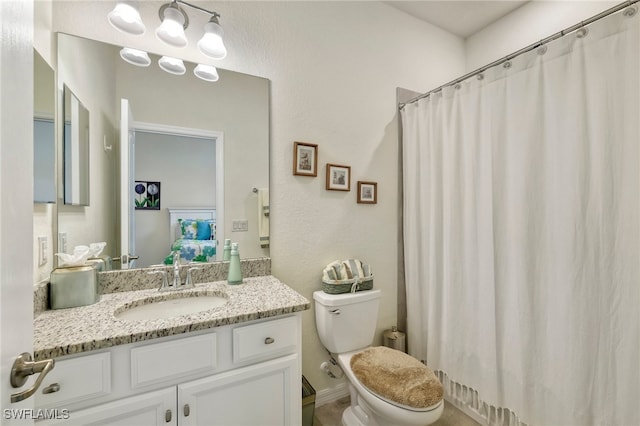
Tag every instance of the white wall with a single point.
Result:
(334, 69)
(185, 168)
(526, 25)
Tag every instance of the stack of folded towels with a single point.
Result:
(346, 270)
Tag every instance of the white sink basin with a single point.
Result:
(169, 305)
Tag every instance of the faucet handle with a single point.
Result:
(189, 282)
(165, 284)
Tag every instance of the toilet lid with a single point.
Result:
(397, 377)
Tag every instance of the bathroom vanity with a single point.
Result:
(239, 363)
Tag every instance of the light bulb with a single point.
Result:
(172, 65)
(171, 31)
(126, 18)
(135, 57)
(211, 42)
(206, 72)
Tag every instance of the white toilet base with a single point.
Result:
(359, 413)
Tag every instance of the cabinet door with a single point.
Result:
(153, 408)
(266, 394)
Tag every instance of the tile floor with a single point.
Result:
(331, 414)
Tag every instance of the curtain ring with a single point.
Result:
(457, 86)
(542, 50)
(480, 77)
(582, 32)
(630, 11)
(506, 65)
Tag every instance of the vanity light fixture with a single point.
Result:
(174, 20)
(172, 65)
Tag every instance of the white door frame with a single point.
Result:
(218, 137)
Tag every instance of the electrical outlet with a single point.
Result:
(239, 225)
(62, 242)
(42, 251)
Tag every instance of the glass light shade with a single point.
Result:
(211, 42)
(135, 57)
(206, 72)
(172, 65)
(171, 31)
(126, 18)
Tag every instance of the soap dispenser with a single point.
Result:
(235, 272)
(226, 252)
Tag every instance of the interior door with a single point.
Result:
(127, 161)
(16, 198)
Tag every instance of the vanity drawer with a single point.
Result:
(265, 340)
(175, 359)
(79, 379)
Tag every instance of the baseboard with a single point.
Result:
(326, 396)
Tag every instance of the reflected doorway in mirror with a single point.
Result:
(147, 195)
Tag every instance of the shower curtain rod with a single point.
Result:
(542, 42)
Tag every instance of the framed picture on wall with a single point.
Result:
(367, 192)
(305, 159)
(147, 195)
(338, 177)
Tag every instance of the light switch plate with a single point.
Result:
(239, 225)
(62, 242)
(42, 251)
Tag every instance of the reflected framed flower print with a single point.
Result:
(146, 195)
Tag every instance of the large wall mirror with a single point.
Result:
(169, 159)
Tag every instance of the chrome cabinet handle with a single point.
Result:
(167, 416)
(269, 340)
(23, 367)
(187, 410)
(335, 311)
(52, 388)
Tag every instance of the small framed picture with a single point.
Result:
(367, 192)
(147, 195)
(305, 159)
(338, 177)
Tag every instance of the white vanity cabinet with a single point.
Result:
(242, 374)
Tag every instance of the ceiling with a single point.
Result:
(462, 18)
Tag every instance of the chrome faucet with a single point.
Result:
(176, 270)
(165, 284)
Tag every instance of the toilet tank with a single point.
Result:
(346, 322)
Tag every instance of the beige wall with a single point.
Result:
(526, 25)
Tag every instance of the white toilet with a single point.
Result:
(346, 325)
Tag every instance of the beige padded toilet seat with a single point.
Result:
(397, 377)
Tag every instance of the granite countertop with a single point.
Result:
(74, 330)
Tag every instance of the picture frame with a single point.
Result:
(305, 159)
(367, 192)
(146, 195)
(338, 177)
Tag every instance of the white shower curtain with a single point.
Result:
(521, 233)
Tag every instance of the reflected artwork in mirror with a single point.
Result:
(76, 150)
(234, 108)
